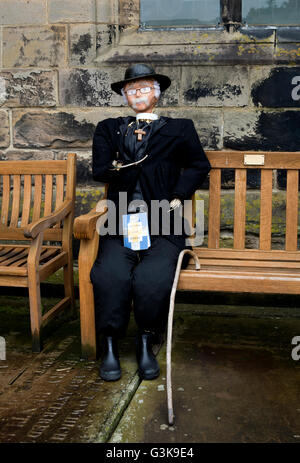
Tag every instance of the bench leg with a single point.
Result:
(69, 284)
(87, 255)
(35, 292)
(35, 313)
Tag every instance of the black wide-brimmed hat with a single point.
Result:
(137, 71)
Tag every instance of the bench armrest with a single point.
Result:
(45, 222)
(85, 225)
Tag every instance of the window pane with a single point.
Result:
(271, 12)
(180, 12)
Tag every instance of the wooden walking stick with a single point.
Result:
(170, 324)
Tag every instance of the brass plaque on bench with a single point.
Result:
(254, 159)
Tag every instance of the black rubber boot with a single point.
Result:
(110, 369)
(148, 366)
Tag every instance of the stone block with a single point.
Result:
(87, 87)
(105, 37)
(208, 123)
(107, 11)
(129, 12)
(260, 130)
(215, 86)
(82, 44)
(29, 88)
(288, 34)
(71, 11)
(22, 12)
(277, 87)
(4, 129)
(91, 87)
(287, 53)
(15, 155)
(83, 166)
(50, 130)
(57, 129)
(34, 46)
(206, 54)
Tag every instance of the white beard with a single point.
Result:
(142, 99)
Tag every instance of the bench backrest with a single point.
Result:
(241, 163)
(30, 190)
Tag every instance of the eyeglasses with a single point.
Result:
(133, 91)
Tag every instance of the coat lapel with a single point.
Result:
(155, 132)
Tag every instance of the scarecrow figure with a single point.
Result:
(148, 158)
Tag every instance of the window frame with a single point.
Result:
(130, 42)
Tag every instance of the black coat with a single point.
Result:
(176, 165)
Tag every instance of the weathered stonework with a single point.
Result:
(91, 87)
(129, 12)
(82, 47)
(34, 46)
(287, 53)
(87, 87)
(22, 12)
(59, 129)
(262, 130)
(15, 155)
(107, 11)
(277, 87)
(29, 88)
(4, 129)
(208, 123)
(83, 166)
(105, 37)
(71, 11)
(211, 86)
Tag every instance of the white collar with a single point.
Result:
(150, 116)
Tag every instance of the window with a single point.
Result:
(180, 12)
(271, 12)
(193, 13)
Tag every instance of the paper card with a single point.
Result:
(136, 231)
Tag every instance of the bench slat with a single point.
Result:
(37, 198)
(265, 210)
(249, 263)
(291, 210)
(26, 200)
(10, 233)
(243, 282)
(251, 254)
(59, 194)
(5, 199)
(240, 209)
(235, 160)
(214, 208)
(16, 201)
(33, 167)
(48, 194)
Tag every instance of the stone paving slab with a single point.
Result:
(233, 381)
(55, 396)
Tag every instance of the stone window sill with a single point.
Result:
(257, 45)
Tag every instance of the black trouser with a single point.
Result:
(122, 277)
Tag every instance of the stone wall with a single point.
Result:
(58, 58)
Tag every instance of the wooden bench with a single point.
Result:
(261, 270)
(37, 213)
